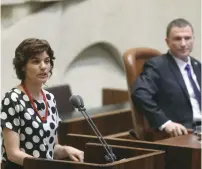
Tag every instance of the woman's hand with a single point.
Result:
(61, 152)
(73, 153)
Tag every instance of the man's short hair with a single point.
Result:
(180, 22)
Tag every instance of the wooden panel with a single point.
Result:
(141, 158)
(57, 164)
(114, 96)
(125, 135)
(107, 124)
(2, 166)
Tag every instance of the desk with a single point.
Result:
(191, 149)
(189, 141)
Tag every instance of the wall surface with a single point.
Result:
(76, 29)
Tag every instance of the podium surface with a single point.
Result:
(189, 141)
(94, 153)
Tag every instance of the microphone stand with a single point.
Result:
(110, 157)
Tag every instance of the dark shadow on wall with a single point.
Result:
(67, 3)
(8, 17)
(7, 10)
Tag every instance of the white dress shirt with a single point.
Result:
(194, 103)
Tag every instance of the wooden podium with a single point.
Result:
(94, 153)
(183, 152)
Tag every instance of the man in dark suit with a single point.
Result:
(168, 91)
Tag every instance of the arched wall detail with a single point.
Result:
(96, 66)
(112, 49)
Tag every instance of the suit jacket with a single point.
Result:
(160, 92)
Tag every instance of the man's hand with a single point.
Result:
(175, 129)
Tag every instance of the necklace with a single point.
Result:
(43, 118)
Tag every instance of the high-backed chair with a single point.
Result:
(133, 61)
(62, 94)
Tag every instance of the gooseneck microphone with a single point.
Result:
(78, 103)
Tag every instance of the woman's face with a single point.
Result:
(37, 68)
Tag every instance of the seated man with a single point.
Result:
(168, 91)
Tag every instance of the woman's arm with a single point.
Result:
(61, 152)
(12, 145)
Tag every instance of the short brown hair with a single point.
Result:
(27, 49)
(180, 22)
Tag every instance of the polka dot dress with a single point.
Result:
(37, 138)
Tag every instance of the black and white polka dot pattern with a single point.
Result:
(37, 138)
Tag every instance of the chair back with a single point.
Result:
(62, 94)
(134, 60)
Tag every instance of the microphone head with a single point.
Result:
(81, 100)
(75, 101)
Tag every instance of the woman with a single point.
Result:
(29, 116)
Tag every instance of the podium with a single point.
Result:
(94, 153)
(183, 152)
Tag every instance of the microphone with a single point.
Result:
(81, 101)
(77, 102)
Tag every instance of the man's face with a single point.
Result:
(180, 41)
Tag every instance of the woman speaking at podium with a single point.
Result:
(29, 117)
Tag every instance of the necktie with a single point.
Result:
(196, 90)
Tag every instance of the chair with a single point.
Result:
(62, 94)
(133, 61)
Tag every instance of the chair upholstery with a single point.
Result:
(133, 61)
(62, 94)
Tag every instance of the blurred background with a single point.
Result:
(89, 37)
